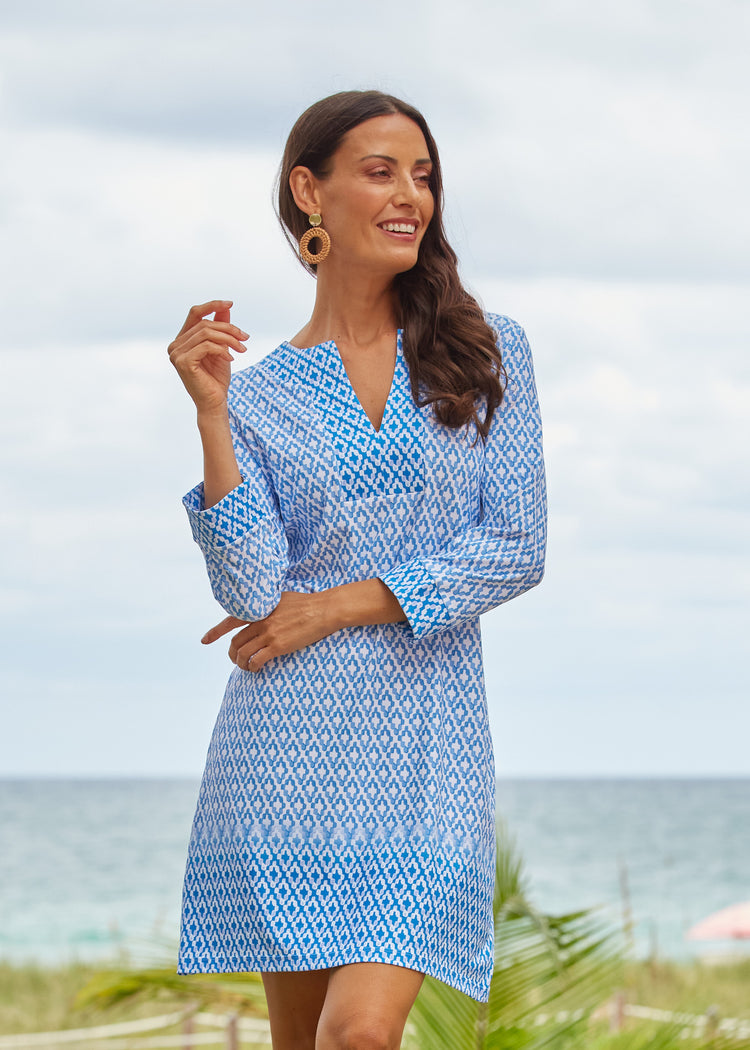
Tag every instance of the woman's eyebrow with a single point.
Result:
(392, 160)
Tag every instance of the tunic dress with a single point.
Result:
(347, 809)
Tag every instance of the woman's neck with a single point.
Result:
(352, 309)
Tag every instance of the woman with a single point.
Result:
(370, 488)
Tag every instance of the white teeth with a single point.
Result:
(399, 227)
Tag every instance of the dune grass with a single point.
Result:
(37, 998)
(691, 987)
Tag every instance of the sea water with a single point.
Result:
(92, 867)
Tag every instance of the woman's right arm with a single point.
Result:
(201, 355)
(233, 512)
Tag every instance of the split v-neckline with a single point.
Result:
(386, 406)
(331, 345)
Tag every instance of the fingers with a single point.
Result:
(251, 655)
(229, 623)
(253, 661)
(185, 359)
(246, 649)
(228, 334)
(251, 647)
(241, 640)
(203, 359)
(196, 313)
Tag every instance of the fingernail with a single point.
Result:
(245, 335)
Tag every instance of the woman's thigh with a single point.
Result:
(295, 1001)
(366, 1005)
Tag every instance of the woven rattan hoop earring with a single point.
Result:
(318, 232)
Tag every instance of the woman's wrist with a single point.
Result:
(220, 471)
(214, 418)
(360, 604)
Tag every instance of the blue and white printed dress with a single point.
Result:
(347, 809)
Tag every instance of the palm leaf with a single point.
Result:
(539, 960)
(443, 1018)
(242, 992)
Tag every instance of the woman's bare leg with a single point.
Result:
(295, 1001)
(366, 1006)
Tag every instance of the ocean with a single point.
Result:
(92, 867)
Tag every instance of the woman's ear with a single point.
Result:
(304, 187)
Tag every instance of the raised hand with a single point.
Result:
(201, 353)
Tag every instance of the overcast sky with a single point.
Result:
(596, 167)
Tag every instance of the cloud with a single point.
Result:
(111, 241)
(230, 79)
(141, 151)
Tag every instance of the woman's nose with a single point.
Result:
(406, 191)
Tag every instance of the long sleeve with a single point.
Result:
(503, 556)
(242, 536)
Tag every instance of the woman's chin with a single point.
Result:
(401, 258)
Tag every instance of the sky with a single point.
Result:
(596, 166)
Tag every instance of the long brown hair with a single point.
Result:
(452, 353)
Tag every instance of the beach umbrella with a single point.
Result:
(732, 923)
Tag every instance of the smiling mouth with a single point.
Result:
(402, 228)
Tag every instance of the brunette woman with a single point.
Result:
(371, 487)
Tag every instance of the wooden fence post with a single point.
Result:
(232, 1035)
(188, 1026)
(627, 908)
(617, 1012)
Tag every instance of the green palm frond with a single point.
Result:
(442, 1019)
(511, 880)
(539, 960)
(542, 959)
(242, 992)
(661, 1037)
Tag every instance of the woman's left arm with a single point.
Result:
(503, 555)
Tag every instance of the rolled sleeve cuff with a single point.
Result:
(419, 597)
(224, 523)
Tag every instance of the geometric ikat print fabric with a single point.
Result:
(347, 808)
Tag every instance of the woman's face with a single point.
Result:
(376, 201)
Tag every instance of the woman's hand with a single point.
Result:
(201, 354)
(299, 620)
